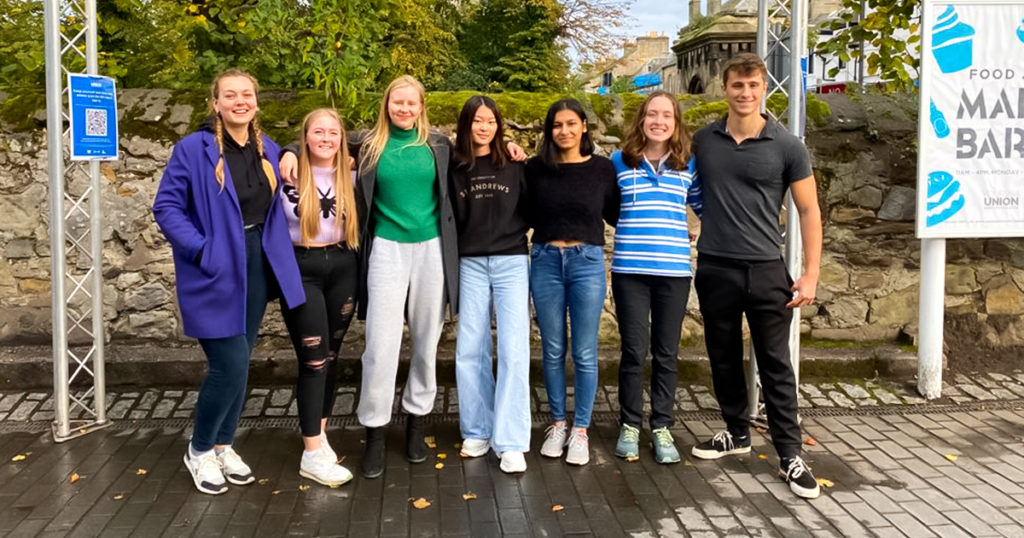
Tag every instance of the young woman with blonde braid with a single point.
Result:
(217, 206)
(322, 220)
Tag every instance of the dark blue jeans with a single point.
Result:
(569, 279)
(222, 394)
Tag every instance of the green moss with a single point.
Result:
(19, 108)
(630, 104)
(703, 114)
(817, 111)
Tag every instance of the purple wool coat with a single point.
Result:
(195, 216)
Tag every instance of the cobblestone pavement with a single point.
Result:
(895, 466)
(280, 401)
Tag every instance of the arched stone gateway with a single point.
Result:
(696, 85)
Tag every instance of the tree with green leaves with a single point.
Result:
(512, 44)
(877, 25)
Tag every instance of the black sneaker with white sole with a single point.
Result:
(722, 444)
(798, 475)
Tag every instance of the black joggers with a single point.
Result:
(650, 312)
(727, 289)
(316, 328)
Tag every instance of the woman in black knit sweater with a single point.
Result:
(572, 193)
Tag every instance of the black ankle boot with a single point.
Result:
(373, 456)
(415, 447)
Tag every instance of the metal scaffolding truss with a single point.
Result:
(76, 245)
(782, 44)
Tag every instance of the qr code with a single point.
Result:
(95, 122)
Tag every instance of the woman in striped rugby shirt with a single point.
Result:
(651, 267)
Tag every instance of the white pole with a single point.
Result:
(929, 344)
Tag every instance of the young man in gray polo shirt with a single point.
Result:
(746, 162)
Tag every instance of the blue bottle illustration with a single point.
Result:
(944, 197)
(1020, 31)
(938, 121)
(952, 42)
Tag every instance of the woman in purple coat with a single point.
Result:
(217, 205)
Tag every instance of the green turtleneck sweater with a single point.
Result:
(405, 206)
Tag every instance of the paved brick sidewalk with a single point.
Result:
(906, 469)
(21, 406)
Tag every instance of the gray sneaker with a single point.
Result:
(628, 446)
(579, 448)
(555, 438)
(664, 447)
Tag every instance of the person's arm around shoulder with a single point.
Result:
(170, 207)
(612, 195)
(694, 194)
(805, 197)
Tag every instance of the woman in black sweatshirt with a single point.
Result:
(489, 200)
(571, 192)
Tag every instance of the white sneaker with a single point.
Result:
(555, 438)
(326, 447)
(234, 469)
(323, 468)
(206, 473)
(474, 448)
(513, 462)
(579, 448)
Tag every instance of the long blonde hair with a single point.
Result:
(218, 129)
(378, 137)
(344, 192)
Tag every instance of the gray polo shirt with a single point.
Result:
(744, 186)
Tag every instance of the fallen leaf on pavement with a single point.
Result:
(457, 446)
(303, 487)
(429, 440)
(262, 481)
(825, 483)
(951, 457)
(810, 441)
(759, 429)
(557, 508)
(275, 492)
(141, 472)
(18, 457)
(74, 477)
(420, 503)
(762, 456)
(119, 496)
(468, 496)
(442, 456)
(439, 465)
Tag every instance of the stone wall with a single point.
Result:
(864, 155)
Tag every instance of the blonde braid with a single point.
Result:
(218, 135)
(268, 168)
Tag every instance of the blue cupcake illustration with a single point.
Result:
(944, 197)
(952, 42)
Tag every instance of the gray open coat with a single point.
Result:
(366, 189)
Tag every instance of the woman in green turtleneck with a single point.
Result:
(410, 264)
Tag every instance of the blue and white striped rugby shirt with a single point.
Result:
(651, 237)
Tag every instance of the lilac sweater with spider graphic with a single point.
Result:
(330, 230)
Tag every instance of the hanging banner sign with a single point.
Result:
(92, 107)
(970, 173)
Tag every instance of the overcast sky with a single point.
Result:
(665, 16)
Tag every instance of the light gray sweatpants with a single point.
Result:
(399, 272)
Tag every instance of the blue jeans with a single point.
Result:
(222, 393)
(500, 412)
(570, 278)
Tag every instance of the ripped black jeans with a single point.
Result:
(329, 278)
